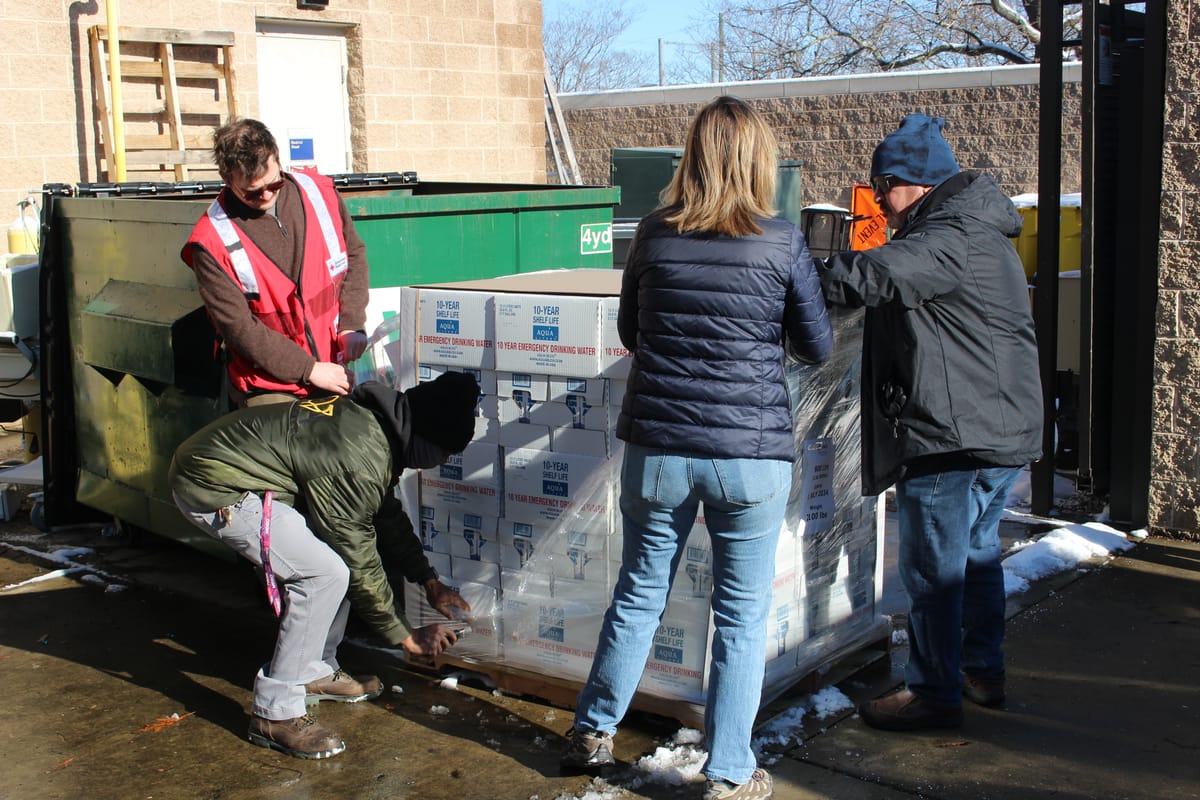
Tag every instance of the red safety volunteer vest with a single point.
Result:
(307, 312)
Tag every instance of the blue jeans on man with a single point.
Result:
(950, 565)
(744, 503)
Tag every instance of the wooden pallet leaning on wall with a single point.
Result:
(176, 86)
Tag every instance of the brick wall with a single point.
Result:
(1175, 455)
(833, 125)
(450, 90)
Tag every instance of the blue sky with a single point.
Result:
(665, 19)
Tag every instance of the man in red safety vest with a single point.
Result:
(282, 272)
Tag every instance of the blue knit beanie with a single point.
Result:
(916, 152)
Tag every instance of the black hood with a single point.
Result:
(390, 408)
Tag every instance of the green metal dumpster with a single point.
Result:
(128, 358)
(642, 172)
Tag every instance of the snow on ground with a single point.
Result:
(1068, 546)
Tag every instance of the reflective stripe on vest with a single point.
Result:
(337, 263)
(233, 243)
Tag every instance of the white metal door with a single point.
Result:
(302, 94)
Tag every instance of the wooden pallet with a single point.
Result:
(176, 86)
(563, 692)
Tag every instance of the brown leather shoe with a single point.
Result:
(905, 711)
(986, 692)
(342, 688)
(302, 737)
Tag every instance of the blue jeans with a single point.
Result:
(950, 566)
(744, 502)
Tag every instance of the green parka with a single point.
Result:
(335, 461)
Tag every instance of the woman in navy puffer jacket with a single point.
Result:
(714, 289)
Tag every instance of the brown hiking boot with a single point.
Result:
(587, 751)
(986, 692)
(302, 737)
(905, 711)
(342, 687)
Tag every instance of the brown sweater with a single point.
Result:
(282, 240)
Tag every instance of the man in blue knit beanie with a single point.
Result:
(951, 410)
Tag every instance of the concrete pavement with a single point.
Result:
(143, 693)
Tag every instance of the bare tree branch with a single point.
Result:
(580, 52)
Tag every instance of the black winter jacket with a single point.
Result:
(950, 364)
(706, 317)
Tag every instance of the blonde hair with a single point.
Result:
(726, 179)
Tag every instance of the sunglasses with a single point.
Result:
(257, 194)
(882, 184)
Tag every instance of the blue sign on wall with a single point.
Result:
(301, 149)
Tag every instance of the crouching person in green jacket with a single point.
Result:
(305, 490)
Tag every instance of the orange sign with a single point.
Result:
(869, 228)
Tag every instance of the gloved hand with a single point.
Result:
(443, 410)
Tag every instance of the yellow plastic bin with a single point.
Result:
(1026, 242)
(1070, 233)
(1070, 238)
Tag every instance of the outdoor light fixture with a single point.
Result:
(827, 230)
(319, 5)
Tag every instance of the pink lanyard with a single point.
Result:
(264, 538)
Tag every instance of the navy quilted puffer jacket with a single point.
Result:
(706, 317)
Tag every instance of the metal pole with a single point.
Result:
(1045, 294)
(661, 70)
(720, 48)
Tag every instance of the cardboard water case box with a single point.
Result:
(486, 378)
(472, 571)
(467, 481)
(599, 444)
(563, 343)
(551, 634)
(616, 392)
(560, 388)
(432, 527)
(533, 386)
(540, 486)
(456, 328)
(553, 334)
(479, 630)
(574, 412)
(787, 624)
(614, 358)
(515, 430)
(678, 657)
(474, 536)
(519, 543)
(581, 568)
(518, 581)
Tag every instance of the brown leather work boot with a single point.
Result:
(342, 687)
(302, 737)
(905, 711)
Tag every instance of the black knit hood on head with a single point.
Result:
(443, 410)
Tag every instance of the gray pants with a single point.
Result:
(312, 584)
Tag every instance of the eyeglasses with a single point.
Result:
(882, 184)
(257, 194)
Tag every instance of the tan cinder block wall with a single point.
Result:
(833, 125)
(1174, 502)
(450, 90)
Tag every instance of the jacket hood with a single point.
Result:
(390, 409)
(970, 194)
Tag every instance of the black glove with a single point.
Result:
(443, 410)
